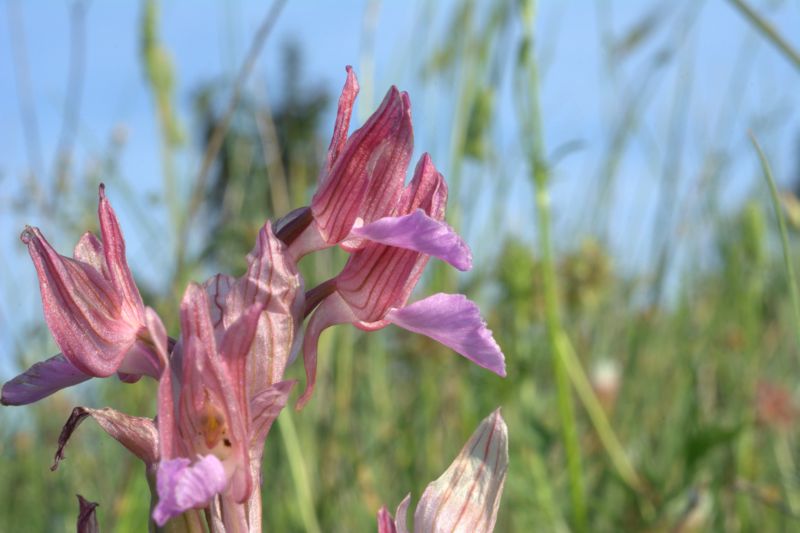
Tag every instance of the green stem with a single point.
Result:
(299, 471)
(768, 31)
(566, 409)
(787, 259)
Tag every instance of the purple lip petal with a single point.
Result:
(454, 321)
(421, 233)
(42, 380)
(182, 486)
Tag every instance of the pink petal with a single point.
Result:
(338, 201)
(182, 487)
(235, 346)
(421, 233)
(385, 521)
(389, 167)
(158, 335)
(332, 310)
(378, 278)
(206, 378)
(114, 250)
(137, 434)
(401, 515)
(427, 191)
(42, 380)
(217, 287)
(271, 280)
(81, 308)
(466, 497)
(342, 124)
(264, 409)
(454, 321)
(90, 250)
(87, 519)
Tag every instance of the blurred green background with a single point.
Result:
(628, 254)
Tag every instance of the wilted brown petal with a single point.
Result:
(87, 519)
(138, 435)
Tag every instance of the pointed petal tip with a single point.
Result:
(101, 190)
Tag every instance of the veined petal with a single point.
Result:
(87, 519)
(138, 435)
(332, 310)
(265, 408)
(388, 171)
(454, 321)
(466, 497)
(90, 251)
(234, 347)
(421, 233)
(114, 250)
(339, 199)
(271, 280)
(183, 486)
(217, 288)
(81, 308)
(42, 380)
(342, 124)
(211, 401)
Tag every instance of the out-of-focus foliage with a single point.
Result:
(699, 387)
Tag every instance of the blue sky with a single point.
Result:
(580, 102)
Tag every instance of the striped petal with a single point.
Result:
(466, 497)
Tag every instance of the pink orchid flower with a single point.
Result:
(467, 496)
(94, 312)
(372, 290)
(211, 430)
(362, 178)
(219, 394)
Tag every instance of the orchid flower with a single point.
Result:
(94, 311)
(372, 290)
(362, 178)
(467, 496)
(210, 429)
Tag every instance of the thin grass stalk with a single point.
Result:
(787, 259)
(566, 410)
(768, 31)
(297, 466)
